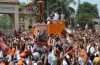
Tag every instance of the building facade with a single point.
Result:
(20, 19)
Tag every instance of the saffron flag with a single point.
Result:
(55, 27)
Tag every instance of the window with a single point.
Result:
(21, 19)
(30, 21)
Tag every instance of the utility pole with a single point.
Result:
(78, 9)
(47, 8)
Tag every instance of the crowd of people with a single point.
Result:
(73, 47)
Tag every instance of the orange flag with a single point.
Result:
(55, 27)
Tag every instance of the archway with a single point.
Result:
(11, 7)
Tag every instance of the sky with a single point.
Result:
(81, 1)
(22, 0)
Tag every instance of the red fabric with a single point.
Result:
(4, 47)
(74, 47)
(41, 43)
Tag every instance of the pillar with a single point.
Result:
(16, 17)
(12, 21)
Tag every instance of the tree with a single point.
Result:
(21, 6)
(5, 21)
(71, 10)
(86, 12)
(62, 5)
(56, 5)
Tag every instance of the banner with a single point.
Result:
(55, 27)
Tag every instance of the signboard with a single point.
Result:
(7, 8)
(55, 27)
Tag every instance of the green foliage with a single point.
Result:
(57, 5)
(5, 21)
(86, 12)
(21, 6)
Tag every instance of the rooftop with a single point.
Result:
(9, 0)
